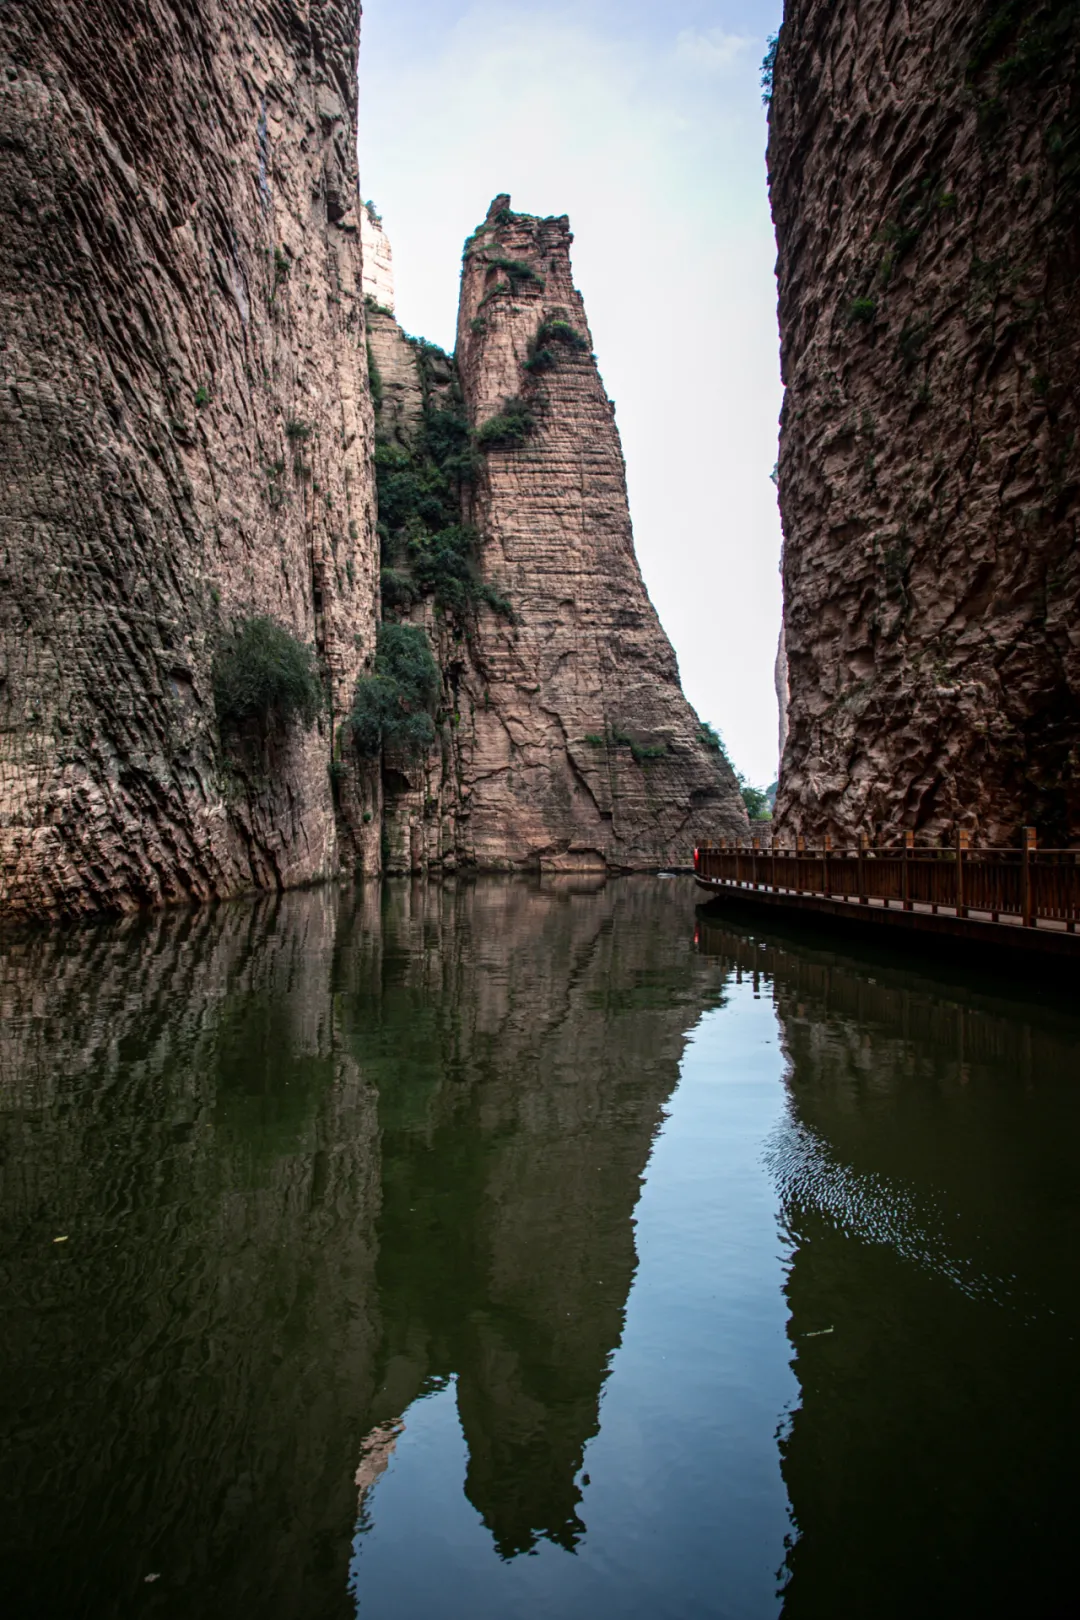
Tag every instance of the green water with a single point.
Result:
(522, 1250)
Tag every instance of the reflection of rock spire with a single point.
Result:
(376, 1449)
(517, 1149)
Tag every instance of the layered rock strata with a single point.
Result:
(571, 745)
(923, 171)
(186, 442)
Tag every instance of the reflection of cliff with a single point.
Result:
(183, 1379)
(927, 1170)
(531, 1037)
(309, 1155)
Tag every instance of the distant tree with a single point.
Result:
(755, 799)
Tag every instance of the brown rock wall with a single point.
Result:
(577, 745)
(185, 437)
(923, 171)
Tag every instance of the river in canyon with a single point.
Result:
(519, 1249)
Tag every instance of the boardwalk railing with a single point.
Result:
(1027, 886)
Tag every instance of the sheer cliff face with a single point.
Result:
(185, 439)
(923, 173)
(580, 747)
(567, 742)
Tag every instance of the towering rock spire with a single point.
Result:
(583, 750)
(378, 258)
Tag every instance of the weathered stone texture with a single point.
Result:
(561, 710)
(185, 438)
(923, 171)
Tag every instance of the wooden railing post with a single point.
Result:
(864, 845)
(772, 869)
(800, 850)
(909, 845)
(1026, 906)
(826, 879)
(962, 842)
(755, 845)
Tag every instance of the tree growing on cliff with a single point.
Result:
(394, 705)
(263, 675)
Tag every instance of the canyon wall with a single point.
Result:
(186, 425)
(924, 167)
(570, 743)
(185, 435)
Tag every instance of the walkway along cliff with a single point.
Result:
(924, 166)
(189, 564)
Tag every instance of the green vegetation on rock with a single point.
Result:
(520, 273)
(509, 428)
(375, 382)
(394, 705)
(768, 68)
(426, 549)
(756, 799)
(263, 674)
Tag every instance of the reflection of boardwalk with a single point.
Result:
(1013, 899)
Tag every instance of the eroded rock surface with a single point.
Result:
(571, 744)
(581, 736)
(185, 437)
(923, 171)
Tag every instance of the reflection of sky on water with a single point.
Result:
(683, 1504)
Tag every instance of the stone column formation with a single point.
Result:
(584, 742)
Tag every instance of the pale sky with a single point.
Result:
(644, 123)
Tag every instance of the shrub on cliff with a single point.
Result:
(398, 590)
(410, 489)
(262, 673)
(520, 273)
(444, 567)
(755, 799)
(375, 381)
(541, 360)
(393, 706)
(555, 330)
(512, 426)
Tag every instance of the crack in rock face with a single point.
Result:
(923, 174)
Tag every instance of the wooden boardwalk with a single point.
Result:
(1024, 899)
